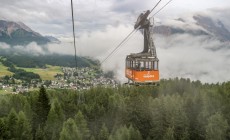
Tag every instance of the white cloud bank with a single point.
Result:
(182, 55)
(193, 57)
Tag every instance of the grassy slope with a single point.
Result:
(46, 74)
(4, 91)
(4, 71)
(1, 91)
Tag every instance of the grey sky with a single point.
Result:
(53, 17)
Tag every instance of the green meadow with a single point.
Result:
(46, 74)
(4, 71)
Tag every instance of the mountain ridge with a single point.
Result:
(201, 25)
(18, 33)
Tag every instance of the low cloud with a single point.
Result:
(193, 57)
(31, 48)
(181, 55)
(4, 45)
(221, 14)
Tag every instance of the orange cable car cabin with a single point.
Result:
(143, 68)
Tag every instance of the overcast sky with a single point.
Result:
(102, 24)
(53, 17)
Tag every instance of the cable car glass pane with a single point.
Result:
(155, 65)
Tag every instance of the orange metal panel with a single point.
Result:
(129, 73)
(142, 76)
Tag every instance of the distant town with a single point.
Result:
(71, 78)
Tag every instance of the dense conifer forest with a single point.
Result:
(40, 61)
(177, 109)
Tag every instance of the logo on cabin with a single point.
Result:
(148, 75)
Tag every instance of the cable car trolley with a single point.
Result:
(143, 68)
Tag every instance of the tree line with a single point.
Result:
(177, 109)
(19, 73)
(40, 61)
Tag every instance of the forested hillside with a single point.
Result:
(177, 109)
(40, 61)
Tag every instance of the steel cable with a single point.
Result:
(122, 42)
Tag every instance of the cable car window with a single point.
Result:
(147, 65)
(131, 64)
(155, 65)
(151, 65)
(135, 64)
(142, 65)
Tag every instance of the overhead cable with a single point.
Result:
(118, 45)
(155, 6)
(122, 42)
(75, 49)
(161, 8)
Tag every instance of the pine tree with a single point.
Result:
(104, 133)
(39, 134)
(43, 105)
(54, 121)
(12, 121)
(134, 134)
(23, 127)
(124, 133)
(216, 128)
(158, 119)
(169, 134)
(3, 129)
(27, 110)
(41, 110)
(82, 125)
(70, 131)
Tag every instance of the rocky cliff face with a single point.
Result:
(201, 25)
(17, 33)
(215, 28)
